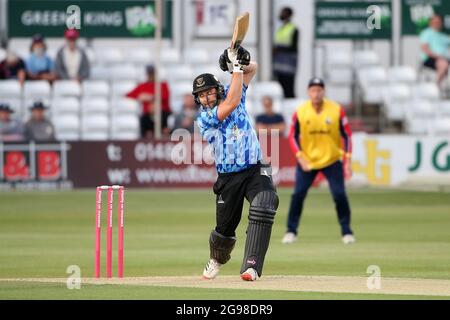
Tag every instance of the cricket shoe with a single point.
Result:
(211, 269)
(249, 275)
(348, 239)
(289, 238)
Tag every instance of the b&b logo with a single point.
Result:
(33, 162)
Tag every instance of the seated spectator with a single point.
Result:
(38, 128)
(435, 48)
(39, 65)
(12, 67)
(186, 118)
(145, 94)
(269, 119)
(71, 61)
(10, 130)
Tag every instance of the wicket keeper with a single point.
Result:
(320, 137)
(225, 124)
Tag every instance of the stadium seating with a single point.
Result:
(66, 88)
(67, 127)
(39, 89)
(65, 105)
(95, 127)
(178, 90)
(195, 56)
(94, 106)
(125, 127)
(108, 56)
(124, 106)
(93, 88)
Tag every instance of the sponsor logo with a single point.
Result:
(252, 262)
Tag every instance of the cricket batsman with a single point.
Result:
(320, 138)
(225, 124)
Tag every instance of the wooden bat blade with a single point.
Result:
(240, 30)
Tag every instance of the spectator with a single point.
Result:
(145, 94)
(38, 128)
(285, 53)
(39, 65)
(12, 67)
(71, 61)
(186, 118)
(270, 120)
(10, 130)
(435, 48)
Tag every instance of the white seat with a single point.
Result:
(125, 106)
(196, 56)
(441, 126)
(95, 136)
(395, 111)
(95, 88)
(418, 126)
(340, 94)
(340, 59)
(372, 76)
(121, 88)
(272, 89)
(125, 127)
(426, 90)
(67, 127)
(95, 127)
(402, 74)
(10, 88)
(180, 72)
(209, 68)
(124, 72)
(178, 90)
(65, 105)
(340, 76)
(66, 88)
(396, 100)
(214, 55)
(100, 72)
(140, 56)
(443, 107)
(108, 56)
(421, 108)
(37, 89)
(397, 93)
(170, 56)
(94, 105)
(365, 58)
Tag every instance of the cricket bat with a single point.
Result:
(240, 30)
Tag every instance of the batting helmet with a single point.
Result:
(207, 81)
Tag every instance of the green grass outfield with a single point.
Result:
(405, 233)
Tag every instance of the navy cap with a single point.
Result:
(150, 68)
(38, 38)
(316, 82)
(38, 105)
(5, 107)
